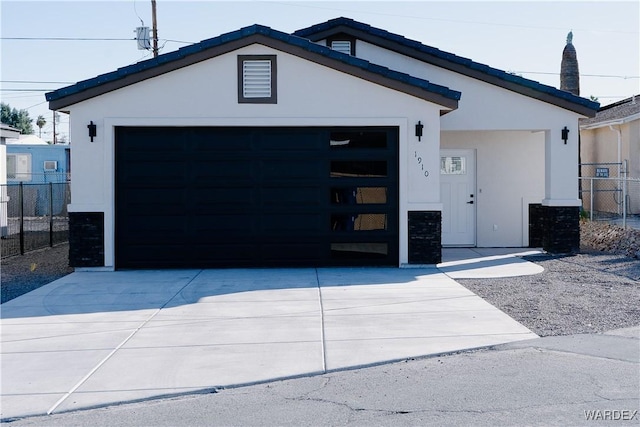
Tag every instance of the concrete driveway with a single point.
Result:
(97, 338)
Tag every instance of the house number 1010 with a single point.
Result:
(419, 161)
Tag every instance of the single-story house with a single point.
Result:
(30, 159)
(610, 148)
(339, 144)
(7, 132)
(33, 162)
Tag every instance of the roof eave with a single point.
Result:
(370, 76)
(457, 68)
(130, 79)
(612, 122)
(448, 102)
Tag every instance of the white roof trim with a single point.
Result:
(611, 122)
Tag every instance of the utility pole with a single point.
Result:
(155, 28)
(54, 127)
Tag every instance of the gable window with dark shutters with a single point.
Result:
(257, 79)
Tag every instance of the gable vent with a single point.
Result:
(343, 46)
(256, 78)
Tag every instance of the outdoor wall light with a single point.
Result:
(565, 135)
(419, 127)
(92, 130)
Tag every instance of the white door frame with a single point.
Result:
(459, 199)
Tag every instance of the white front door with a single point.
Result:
(458, 194)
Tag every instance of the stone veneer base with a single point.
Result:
(86, 239)
(425, 237)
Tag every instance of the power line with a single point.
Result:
(148, 54)
(85, 39)
(65, 39)
(582, 75)
(35, 105)
(135, 9)
(457, 21)
(178, 41)
(26, 90)
(34, 82)
(21, 96)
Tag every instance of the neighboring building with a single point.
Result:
(27, 140)
(32, 160)
(610, 144)
(6, 132)
(340, 144)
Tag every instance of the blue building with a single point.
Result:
(32, 161)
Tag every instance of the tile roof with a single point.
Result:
(620, 110)
(450, 61)
(199, 51)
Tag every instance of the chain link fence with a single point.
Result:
(602, 170)
(616, 200)
(37, 178)
(33, 216)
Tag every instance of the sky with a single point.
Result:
(46, 45)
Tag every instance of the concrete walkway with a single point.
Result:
(486, 263)
(97, 338)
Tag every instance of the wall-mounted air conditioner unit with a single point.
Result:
(50, 165)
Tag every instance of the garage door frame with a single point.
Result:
(391, 236)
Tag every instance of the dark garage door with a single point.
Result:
(221, 197)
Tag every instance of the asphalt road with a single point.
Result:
(578, 380)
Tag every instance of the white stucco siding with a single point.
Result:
(209, 89)
(590, 150)
(206, 94)
(600, 145)
(510, 176)
(486, 107)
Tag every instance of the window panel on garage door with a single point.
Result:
(363, 194)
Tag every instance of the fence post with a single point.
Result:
(51, 214)
(591, 201)
(21, 200)
(624, 204)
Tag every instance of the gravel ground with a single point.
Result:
(585, 293)
(23, 273)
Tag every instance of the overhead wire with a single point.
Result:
(459, 21)
(92, 39)
(26, 90)
(148, 54)
(298, 4)
(581, 75)
(21, 96)
(34, 81)
(135, 10)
